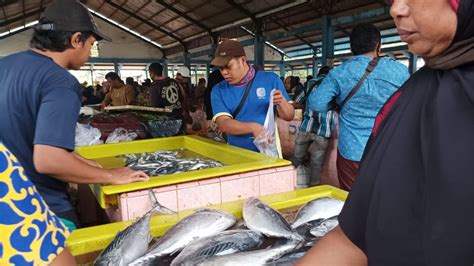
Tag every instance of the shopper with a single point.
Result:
(120, 93)
(360, 87)
(314, 135)
(39, 109)
(226, 96)
(412, 201)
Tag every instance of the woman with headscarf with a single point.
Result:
(412, 203)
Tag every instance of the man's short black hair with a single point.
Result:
(365, 38)
(156, 68)
(129, 81)
(112, 76)
(324, 70)
(54, 40)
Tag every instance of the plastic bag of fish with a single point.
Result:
(202, 238)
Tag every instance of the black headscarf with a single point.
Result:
(413, 200)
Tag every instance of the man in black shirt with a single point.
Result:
(166, 93)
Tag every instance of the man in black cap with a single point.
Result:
(39, 108)
(248, 88)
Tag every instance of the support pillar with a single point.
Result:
(328, 40)
(259, 48)
(208, 72)
(165, 67)
(315, 66)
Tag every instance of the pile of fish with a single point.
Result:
(202, 238)
(166, 163)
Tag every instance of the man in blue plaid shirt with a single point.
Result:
(316, 129)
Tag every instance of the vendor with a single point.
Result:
(39, 109)
(412, 201)
(120, 94)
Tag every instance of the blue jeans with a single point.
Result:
(317, 154)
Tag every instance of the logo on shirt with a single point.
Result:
(172, 95)
(261, 93)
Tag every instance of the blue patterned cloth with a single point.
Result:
(357, 117)
(321, 124)
(30, 234)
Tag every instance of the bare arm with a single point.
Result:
(286, 111)
(67, 167)
(233, 127)
(334, 249)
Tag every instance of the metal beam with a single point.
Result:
(374, 13)
(242, 10)
(184, 15)
(259, 48)
(135, 16)
(22, 17)
(123, 60)
(136, 11)
(328, 40)
(4, 3)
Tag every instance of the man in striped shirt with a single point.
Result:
(316, 129)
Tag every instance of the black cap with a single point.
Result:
(69, 15)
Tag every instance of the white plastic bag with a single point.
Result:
(121, 135)
(267, 141)
(87, 135)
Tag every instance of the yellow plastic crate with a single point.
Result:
(94, 239)
(235, 160)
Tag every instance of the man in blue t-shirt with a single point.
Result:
(227, 95)
(40, 102)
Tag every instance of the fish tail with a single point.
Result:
(157, 207)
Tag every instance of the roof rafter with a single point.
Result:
(184, 15)
(135, 16)
(136, 11)
(22, 17)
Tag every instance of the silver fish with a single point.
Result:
(321, 208)
(132, 242)
(202, 223)
(228, 242)
(260, 217)
(128, 244)
(324, 227)
(254, 258)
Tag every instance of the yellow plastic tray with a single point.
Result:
(96, 238)
(235, 160)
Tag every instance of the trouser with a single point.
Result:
(317, 154)
(347, 171)
(71, 216)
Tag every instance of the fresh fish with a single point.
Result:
(202, 223)
(228, 242)
(132, 242)
(254, 258)
(324, 227)
(260, 217)
(321, 208)
(290, 258)
(128, 244)
(304, 229)
(166, 162)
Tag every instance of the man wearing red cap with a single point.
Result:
(240, 102)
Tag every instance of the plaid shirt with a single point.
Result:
(321, 124)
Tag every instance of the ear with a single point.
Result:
(75, 40)
(244, 60)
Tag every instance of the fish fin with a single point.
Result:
(157, 207)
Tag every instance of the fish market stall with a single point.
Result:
(86, 244)
(234, 174)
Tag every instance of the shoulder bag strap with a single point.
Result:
(244, 97)
(369, 69)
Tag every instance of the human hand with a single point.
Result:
(278, 97)
(125, 175)
(257, 130)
